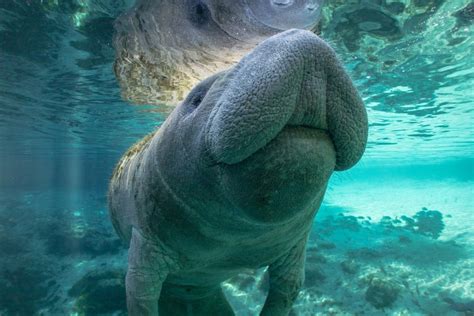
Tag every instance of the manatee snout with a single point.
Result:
(282, 120)
(293, 79)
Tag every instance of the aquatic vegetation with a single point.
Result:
(381, 292)
(24, 290)
(350, 266)
(372, 264)
(431, 275)
(426, 222)
(314, 275)
(11, 245)
(99, 292)
(38, 251)
(61, 242)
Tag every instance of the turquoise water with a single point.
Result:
(393, 237)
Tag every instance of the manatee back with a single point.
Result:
(120, 196)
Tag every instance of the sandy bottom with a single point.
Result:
(401, 248)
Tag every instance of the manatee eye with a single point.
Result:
(196, 96)
(200, 9)
(198, 12)
(197, 99)
(199, 92)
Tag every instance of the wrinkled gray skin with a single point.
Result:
(164, 47)
(233, 179)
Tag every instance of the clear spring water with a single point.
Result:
(394, 235)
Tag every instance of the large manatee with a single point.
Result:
(164, 47)
(234, 177)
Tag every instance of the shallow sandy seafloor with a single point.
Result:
(59, 255)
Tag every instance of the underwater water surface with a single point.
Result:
(394, 235)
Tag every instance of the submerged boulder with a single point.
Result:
(382, 293)
(349, 266)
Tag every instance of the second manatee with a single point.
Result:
(164, 47)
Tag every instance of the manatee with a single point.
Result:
(164, 47)
(233, 178)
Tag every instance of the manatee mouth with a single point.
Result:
(312, 137)
(283, 177)
(311, 134)
(292, 79)
(304, 129)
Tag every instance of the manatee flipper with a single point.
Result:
(210, 301)
(286, 276)
(148, 267)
